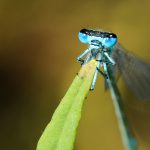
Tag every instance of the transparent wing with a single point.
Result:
(135, 72)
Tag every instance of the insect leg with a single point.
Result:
(109, 58)
(96, 73)
(79, 58)
(102, 73)
(88, 58)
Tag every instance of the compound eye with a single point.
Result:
(110, 41)
(112, 35)
(83, 31)
(83, 37)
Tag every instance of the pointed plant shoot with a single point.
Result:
(61, 131)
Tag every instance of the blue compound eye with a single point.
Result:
(110, 41)
(83, 37)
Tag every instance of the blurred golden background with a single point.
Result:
(38, 50)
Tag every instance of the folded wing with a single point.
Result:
(135, 72)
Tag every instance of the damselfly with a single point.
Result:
(104, 47)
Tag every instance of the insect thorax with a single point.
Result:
(95, 51)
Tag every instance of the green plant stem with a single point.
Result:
(61, 131)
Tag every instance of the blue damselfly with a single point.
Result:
(104, 47)
(114, 59)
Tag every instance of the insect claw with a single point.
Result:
(91, 89)
(99, 60)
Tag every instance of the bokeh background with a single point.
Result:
(38, 50)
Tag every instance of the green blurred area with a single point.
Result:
(38, 50)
